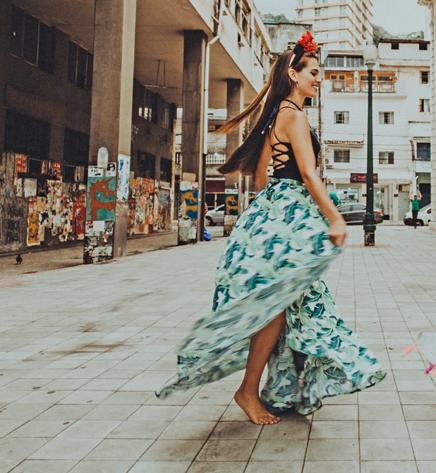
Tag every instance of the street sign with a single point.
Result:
(361, 177)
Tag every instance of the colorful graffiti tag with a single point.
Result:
(101, 198)
(35, 212)
(163, 218)
(45, 211)
(230, 210)
(141, 204)
(188, 212)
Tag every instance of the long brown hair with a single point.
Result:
(278, 87)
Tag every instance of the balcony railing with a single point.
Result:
(213, 159)
(352, 87)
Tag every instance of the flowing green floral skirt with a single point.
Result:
(273, 262)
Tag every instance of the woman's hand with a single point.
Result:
(338, 232)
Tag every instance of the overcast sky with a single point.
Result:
(409, 17)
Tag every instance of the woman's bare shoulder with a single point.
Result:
(291, 120)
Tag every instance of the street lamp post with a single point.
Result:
(370, 56)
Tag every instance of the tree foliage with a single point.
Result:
(380, 33)
(270, 18)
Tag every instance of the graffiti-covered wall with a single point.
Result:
(44, 211)
(149, 206)
(41, 211)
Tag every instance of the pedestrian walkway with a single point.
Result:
(83, 348)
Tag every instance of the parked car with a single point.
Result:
(424, 216)
(354, 213)
(215, 216)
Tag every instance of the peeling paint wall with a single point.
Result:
(45, 212)
(188, 212)
(38, 212)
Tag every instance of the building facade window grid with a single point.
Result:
(165, 169)
(386, 157)
(32, 40)
(148, 106)
(386, 118)
(80, 64)
(424, 105)
(342, 118)
(76, 150)
(341, 155)
(423, 151)
(425, 77)
(146, 165)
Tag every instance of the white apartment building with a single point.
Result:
(338, 24)
(401, 124)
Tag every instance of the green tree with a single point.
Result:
(270, 18)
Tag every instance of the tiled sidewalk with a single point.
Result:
(83, 348)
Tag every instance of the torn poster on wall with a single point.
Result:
(100, 217)
(163, 218)
(141, 204)
(32, 222)
(230, 210)
(98, 241)
(188, 212)
(123, 177)
(29, 187)
(37, 211)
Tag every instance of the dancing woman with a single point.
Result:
(270, 305)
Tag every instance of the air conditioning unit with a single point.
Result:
(327, 163)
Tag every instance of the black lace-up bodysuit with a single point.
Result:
(284, 162)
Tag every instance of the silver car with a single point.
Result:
(215, 216)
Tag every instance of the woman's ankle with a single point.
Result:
(248, 390)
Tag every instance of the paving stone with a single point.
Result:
(44, 466)
(386, 449)
(274, 466)
(389, 467)
(65, 408)
(331, 467)
(217, 467)
(279, 450)
(102, 467)
(324, 429)
(173, 450)
(160, 467)
(375, 429)
(332, 449)
(226, 450)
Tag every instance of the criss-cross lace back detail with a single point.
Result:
(281, 151)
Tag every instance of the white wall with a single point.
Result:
(409, 124)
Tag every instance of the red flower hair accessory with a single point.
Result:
(306, 44)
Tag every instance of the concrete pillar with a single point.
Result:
(192, 135)
(235, 103)
(5, 19)
(112, 92)
(433, 111)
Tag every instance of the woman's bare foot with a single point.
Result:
(254, 409)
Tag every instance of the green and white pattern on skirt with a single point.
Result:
(273, 261)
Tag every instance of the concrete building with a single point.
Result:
(76, 78)
(432, 7)
(338, 24)
(401, 124)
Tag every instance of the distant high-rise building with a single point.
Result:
(338, 24)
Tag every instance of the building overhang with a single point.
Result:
(160, 43)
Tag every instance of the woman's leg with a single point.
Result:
(261, 346)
